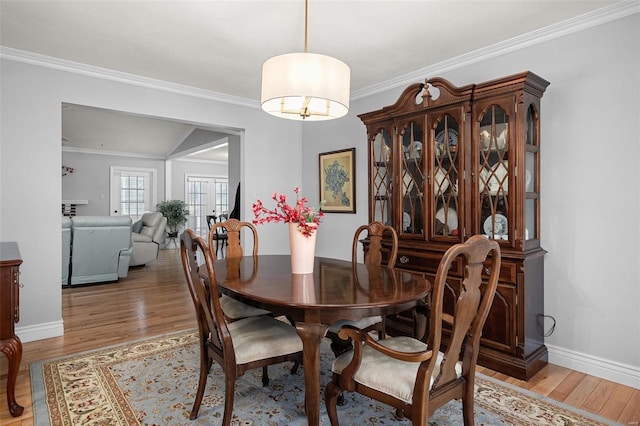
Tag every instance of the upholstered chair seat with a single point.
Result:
(362, 324)
(389, 375)
(257, 338)
(235, 310)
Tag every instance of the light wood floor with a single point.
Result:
(154, 300)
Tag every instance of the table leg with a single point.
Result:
(311, 335)
(12, 348)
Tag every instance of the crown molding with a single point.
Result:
(113, 153)
(200, 160)
(139, 155)
(122, 77)
(579, 23)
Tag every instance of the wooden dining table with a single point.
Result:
(337, 289)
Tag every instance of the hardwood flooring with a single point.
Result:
(154, 300)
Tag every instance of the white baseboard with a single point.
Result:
(31, 333)
(625, 374)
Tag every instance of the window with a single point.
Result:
(222, 196)
(206, 195)
(132, 191)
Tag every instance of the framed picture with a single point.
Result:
(337, 181)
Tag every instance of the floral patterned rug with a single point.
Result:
(153, 382)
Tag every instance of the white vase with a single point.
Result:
(303, 250)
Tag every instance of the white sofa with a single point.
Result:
(148, 239)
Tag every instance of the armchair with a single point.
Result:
(413, 375)
(146, 241)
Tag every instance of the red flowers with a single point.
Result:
(306, 217)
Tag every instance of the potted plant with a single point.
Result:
(176, 212)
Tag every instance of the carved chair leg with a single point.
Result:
(338, 347)
(420, 316)
(205, 365)
(294, 369)
(467, 405)
(229, 389)
(331, 395)
(265, 376)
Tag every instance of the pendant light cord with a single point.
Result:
(306, 21)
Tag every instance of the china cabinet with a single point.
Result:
(448, 162)
(10, 344)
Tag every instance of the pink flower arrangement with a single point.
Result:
(307, 218)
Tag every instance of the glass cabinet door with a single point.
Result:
(381, 177)
(493, 174)
(411, 178)
(532, 185)
(446, 170)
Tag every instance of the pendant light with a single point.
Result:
(305, 86)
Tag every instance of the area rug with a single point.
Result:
(153, 382)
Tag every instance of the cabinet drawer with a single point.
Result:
(425, 261)
(508, 271)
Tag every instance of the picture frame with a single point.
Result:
(337, 181)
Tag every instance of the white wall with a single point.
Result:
(590, 188)
(30, 158)
(91, 179)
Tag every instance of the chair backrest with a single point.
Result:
(197, 262)
(153, 225)
(232, 229)
(470, 311)
(373, 254)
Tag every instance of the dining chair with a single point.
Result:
(236, 346)
(232, 308)
(373, 255)
(219, 235)
(413, 375)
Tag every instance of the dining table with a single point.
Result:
(336, 290)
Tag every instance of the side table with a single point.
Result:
(10, 344)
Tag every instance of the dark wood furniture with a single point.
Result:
(336, 290)
(409, 360)
(373, 256)
(232, 308)
(217, 234)
(264, 340)
(10, 344)
(448, 162)
(231, 228)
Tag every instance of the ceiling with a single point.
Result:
(220, 46)
(96, 130)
